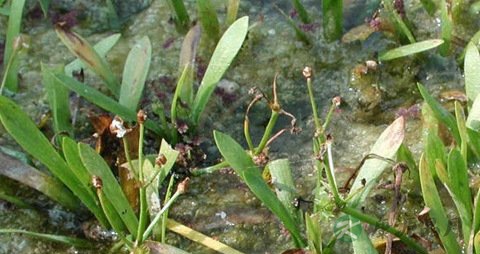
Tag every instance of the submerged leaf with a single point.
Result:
(243, 165)
(473, 119)
(48, 185)
(226, 50)
(135, 73)
(410, 49)
(80, 243)
(208, 18)
(472, 71)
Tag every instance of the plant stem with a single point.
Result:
(246, 132)
(168, 195)
(7, 70)
(211, 169)
(268, 132)
(159, 215)
(316, 119)
(329, 116)
(143, 195)
(126, 150)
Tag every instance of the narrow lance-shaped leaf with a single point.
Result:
(25, 132)
(473, 119)
(44, 4)
(72, 156)
(58, 98)
(243, 165)
(180, 15)
(332, 19)
(102, 47)
(232, 11)
(50, 237)
(386, 146)
(437, 212)
(440, 113)
(302, 12)
(410, 49)
(46, 184)
(208, 18)
(135, 73)
(447, 27)
(399, 22)
(187, 58)
(82, 49)
(472, 71)
(101, 100)
(226, 50)
(13, 30)
(113, 192)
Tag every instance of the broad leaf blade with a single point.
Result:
(472, 71)
(410, 49)
(113, 192)
(226, 50)
(135, 73)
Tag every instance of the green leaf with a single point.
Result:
(33, 178)
(473, 119)
(314, 233)
(474, 40)
(405, 155)
(302, 12)
(184, 80)
(208, 19)
(440, 113)
(332, 11)
(386, 146)
(72, 156)
(410, 49)
(399, 22)
(226, 50)
(437, 212)
(101, 100)
(44, 5)
(180, 15)
(171, 155)
(282, 180)
(25, 132)
(135, 73)
(462, 129)
(187, 58)
(13, 30)
(232, 11)
(472, 71)
(460, 191)
(113, 192)
(301, 35)
(82, 49)
(434, 150)
(243, 165)
(102, 48)
(80, 243)
(58, 99)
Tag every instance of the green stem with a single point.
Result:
(329, 116)
(168, 195)
(377, 223)
(127, 156)
(246, 132)
(268, 132)
(14, 200)
(143, 195)
(7, 70)
(159, 215)
(211, 169)
(316, 119)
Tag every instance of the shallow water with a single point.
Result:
(218, 204)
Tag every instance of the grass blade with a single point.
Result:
(473, 119)
(232, 11)
(314, 234)
(243, 165)
(101, 100)
(58, 99)
(85, 52)
(301, 35)
(102, 48)
(440, 113)
(13, 30)
(113, 192)
(226, 50)
(302, 12)
(401, 28)
(437, 212)
(208, 19)
(44, 4)
(447, 27)
(25, 132)
(434, 151)
(80, 243)
(46, 184)
(332, 19)
(200, 238)
(180, 15)
(472, 71)
(405, 155)
(386, 146)
(285, 189)
(410, 49)
(72, 156)
(135, 73)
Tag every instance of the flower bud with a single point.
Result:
(307, 72)
(183, 186)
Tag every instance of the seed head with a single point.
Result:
(97, 182)
(307, 72)
(141, 116)
(161, 160)
(117, 127)
(183, 186)
(337, 100)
